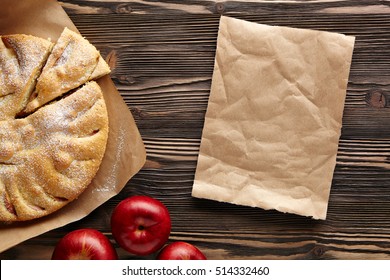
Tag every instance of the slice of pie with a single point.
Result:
(73, 62)
(22, 58)
(48, 158)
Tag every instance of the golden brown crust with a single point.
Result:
(21, 59)
(71, 64)
(49, 156)
(100, 70)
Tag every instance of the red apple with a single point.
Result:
(84, 244)
(180, 250)
(141, 224)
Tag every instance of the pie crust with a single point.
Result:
(53, 123)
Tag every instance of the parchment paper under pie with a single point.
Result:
(274, 117)
(125, 153)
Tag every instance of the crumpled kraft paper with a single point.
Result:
(274, 117)
(125, 153)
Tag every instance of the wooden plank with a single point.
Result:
(163, 52)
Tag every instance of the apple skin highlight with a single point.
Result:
(180, 250)
(141, 224)
(84, 244)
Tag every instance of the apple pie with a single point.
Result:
(21, 59)
(72, 62)
(53, 122)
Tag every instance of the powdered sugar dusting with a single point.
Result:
(110, 183)
(21, 59)
(54, 152)
(50, 156)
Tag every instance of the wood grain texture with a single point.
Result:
(162, 55)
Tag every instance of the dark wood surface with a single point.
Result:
(162, 53)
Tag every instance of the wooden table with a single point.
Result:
(162, 54)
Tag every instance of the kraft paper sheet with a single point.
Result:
(125, 153)
(274, 117)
